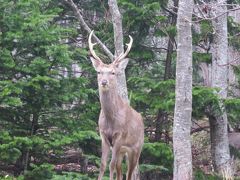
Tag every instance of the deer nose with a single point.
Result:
(104, 82)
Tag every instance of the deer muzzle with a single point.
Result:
(104, 82)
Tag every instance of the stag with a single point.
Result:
(120, 126)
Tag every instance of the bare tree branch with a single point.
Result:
(84, 25)
(230, 63)
(158, 49)
(199, 127)
(201, 9)
(214, 17)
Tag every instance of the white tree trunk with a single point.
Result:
(183, 104)
(218, 122)
(117, 26)
(118, 42)
(119, 48)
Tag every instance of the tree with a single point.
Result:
(183, 103)
(118, 44)
(162, 117)
(42, 102)
(218, 121)
(218, 29)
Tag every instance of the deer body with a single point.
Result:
(109, 123)
(120, 126)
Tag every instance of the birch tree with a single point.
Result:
(118, 43)
(183, 104)
(218, 121)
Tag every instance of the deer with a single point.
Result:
(121, 127)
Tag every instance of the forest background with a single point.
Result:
(49, 102)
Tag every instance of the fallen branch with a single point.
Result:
(201, 128)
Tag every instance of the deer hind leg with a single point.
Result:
(133, 158)
(104, 158)
(119, 166)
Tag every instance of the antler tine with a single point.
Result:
(91, 45)
(129, 45)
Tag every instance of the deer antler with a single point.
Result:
(91, 45)
(123, 55)
(119, 58)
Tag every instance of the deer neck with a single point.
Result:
(110, 103)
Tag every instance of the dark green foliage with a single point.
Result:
(205, 101)
(233, 31)
(202, 57)
(233, 2)
(153, 168)
(234, 152)
(138, 18)
(140, 14)
(200, 175)
(10, 148)
(156, 161)
(72, 176)
(152, 94)
(237, 72)
(45, 107)
(42, 172)
(232, 107)
(9, 93)
(232, 104)
(205, 33)
(167, 31)
(157, 156)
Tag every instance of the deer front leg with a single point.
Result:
(104, 158)
(113, 163)
(119, 166)
(115, 153)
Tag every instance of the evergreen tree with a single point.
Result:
(42, 101)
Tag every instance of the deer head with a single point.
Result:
(107, 72)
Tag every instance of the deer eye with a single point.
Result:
(113, 73)
(99, 72)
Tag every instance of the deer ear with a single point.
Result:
(121, 64)
(96, 63)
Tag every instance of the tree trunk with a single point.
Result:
(167, 73)
(218, 123)
(34, 121)
(159, 125)
(162, 117)
(183, 104)
(117, 26)
(118, 42)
